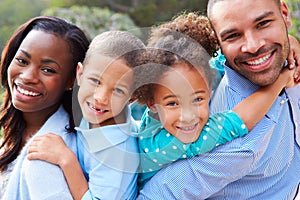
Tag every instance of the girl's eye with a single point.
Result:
(21, 61)
(119, 91)
(198, 99)
(172, 104)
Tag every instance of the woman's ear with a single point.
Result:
(70, 84)
(79, 72)
(152, 106)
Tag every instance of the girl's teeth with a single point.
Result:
(259, 61)
(187, 128)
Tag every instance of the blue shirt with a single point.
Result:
(265, 164)
(158, 147)
(36, 179)
(109, 159)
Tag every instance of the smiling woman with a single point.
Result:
(37, 72)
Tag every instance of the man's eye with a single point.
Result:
(263, 23)
(231, 36)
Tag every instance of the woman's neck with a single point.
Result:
(35, 120)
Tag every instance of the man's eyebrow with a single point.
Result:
(259, 18)
(226, 32)
(264, 15)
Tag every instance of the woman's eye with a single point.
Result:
(21, 61)
(49, 70)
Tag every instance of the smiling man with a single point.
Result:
(265, 164)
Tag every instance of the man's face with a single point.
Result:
(253, 37)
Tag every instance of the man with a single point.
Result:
(265, 164)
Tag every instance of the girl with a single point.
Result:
(176, 86)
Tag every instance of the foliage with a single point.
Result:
(94, 20)
(294, 7)
(145, 13)
(14, 13)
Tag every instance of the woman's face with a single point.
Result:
(39, 73)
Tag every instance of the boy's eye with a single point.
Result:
(198, 99)
(119, 91)
(96, 81)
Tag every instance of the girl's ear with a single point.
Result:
(79, 72)
(151, 105)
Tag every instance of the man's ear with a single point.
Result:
(285, 13)
(79, 72)
(151, 105)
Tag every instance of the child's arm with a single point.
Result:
(254, 107)
(51, 148)
(294, 55)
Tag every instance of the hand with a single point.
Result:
(294, 55)
(50, 148)
(286, 77)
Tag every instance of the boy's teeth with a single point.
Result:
(259, 61)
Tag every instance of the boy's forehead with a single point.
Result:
(98, 62)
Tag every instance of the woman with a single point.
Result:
(37, 72)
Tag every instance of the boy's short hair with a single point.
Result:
(113, 44)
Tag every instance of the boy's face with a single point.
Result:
(181, 99)
(105, 88)
(253, 37)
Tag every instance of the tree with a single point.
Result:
(294, 6)
(94, 20)
(14, 13)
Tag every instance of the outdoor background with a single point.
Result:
(96, 16)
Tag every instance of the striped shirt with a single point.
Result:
(265, 164)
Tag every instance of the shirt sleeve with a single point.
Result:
(159, 148)
(219, 129)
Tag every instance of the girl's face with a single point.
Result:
(105, 89)
(181, 99)
(40, 73)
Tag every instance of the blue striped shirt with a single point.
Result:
(265, 164)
